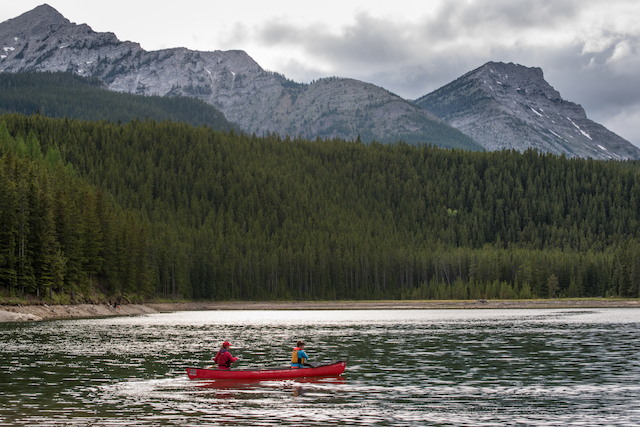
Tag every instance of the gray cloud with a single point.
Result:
(368, 40)
(461, 17)
(460, 34)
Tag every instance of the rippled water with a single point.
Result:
(405, 368)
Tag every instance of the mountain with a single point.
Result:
(511, 106)
(72, 96)
(257, 100)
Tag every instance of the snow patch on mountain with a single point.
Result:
(535, 112)
(581, 131)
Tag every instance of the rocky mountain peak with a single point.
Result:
(510, 106)
(43, 18)
(523, 80)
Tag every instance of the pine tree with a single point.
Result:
(47, 257)
(8, 227)
(92, 239)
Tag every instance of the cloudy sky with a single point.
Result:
(589, 50)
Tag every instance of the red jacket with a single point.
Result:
(224, 359)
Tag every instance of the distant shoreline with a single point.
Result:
(21, 313)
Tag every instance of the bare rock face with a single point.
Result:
(509, 106)
(334, 107)
(257, 100)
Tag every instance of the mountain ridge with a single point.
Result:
(476, 111)
(257, 100)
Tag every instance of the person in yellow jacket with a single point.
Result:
(298, 356)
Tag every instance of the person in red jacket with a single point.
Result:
(223, 358)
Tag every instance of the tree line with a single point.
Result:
(233, 216)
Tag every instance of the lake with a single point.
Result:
(405, 368)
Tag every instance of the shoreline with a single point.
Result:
(26, 313)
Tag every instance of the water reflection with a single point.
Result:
(405, 367)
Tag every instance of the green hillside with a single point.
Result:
(231, 216)
(60, 238)
(61, 95)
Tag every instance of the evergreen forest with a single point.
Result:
(157, 209)
(68, 95)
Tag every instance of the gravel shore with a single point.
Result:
(49, 312)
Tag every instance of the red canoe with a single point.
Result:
(311, 370)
